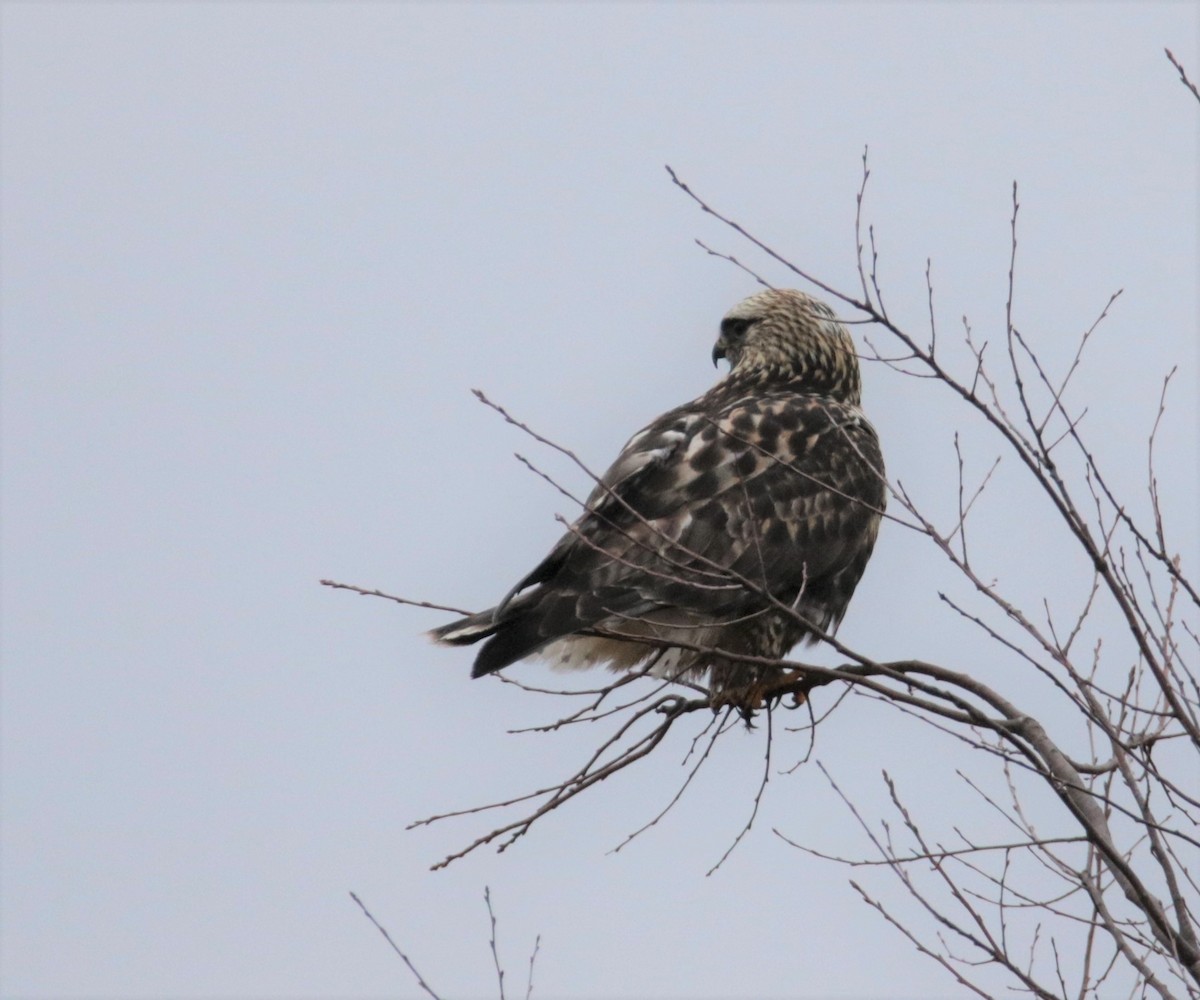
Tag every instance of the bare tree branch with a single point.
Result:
(1183, 74)
(388, 938)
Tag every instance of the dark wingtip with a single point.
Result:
(493, 656)
(514, 641)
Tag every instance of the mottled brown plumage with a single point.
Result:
(769, 483)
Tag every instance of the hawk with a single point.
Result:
(739, 523)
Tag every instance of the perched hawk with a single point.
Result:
(770, 485)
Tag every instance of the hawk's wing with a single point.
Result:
(780, 489)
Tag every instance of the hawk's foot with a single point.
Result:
(749, 699)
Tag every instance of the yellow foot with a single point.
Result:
(789, 680)
(751, 698)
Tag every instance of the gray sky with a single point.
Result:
(254, 258)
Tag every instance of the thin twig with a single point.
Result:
(1182, 74)
(387, 937)
(487, 899)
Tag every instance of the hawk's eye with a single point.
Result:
(735, 328)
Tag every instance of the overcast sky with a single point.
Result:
(255, 256)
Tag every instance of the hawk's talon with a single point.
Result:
(750, 699)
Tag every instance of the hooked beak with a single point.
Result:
(718, 350)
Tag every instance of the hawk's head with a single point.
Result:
(785, 334)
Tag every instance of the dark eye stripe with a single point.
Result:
(734, 328)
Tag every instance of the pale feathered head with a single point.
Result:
(784, 335)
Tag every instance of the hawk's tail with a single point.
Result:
(466, 630)
(512, 631)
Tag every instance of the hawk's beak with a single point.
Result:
(718, 350)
